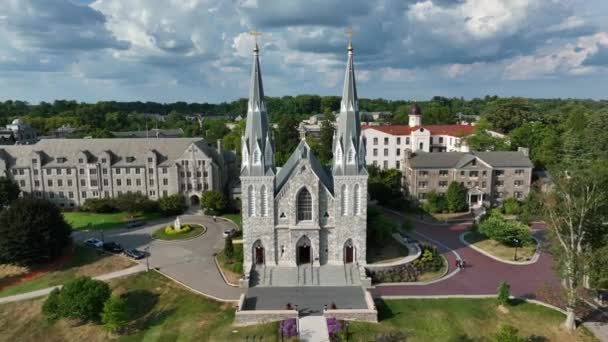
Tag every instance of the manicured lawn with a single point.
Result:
(463, 320)
(85, 261)
(499, 250)
(389, 251)
(195, 231)
(159, 310)
(83, 220)
(236, 218)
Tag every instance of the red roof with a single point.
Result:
(452, 130)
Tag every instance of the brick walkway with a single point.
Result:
(482, 274)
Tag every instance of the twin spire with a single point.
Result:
(348, 146)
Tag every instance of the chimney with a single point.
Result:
(524, 150)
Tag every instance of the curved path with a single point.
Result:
(190, 262)
(482, 275)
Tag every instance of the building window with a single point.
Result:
(137, 170)
(80, 160)
(385, 141)
(519, 172)
(423, 173)
(22, 183)
(127, 170)
(150, 170)
(385, 164)
(117, 171)
(483, 184)
(152, 182)
(36, 183)
(49, 182)
(518, 194)
(70, 194)
(461, 173)
(257, 156)
(386, 152)
(441, 140)
(93, 182)
(105, 182)
(35, 172)
(82, 182)
(251, 201)
(407, 140)
(500, 183)
(165, 193)
(473, 174)
(304, 205)
(375, 152)
(264, 201)
(357, 200)
(103, 160)
(138, 182)
(397, 164)
(48, 172)
(83, 194)
(81, 171)
(421, 196)
(351, 156)
(443, 173)
(398, 152)
(344, 200)
(59, 182)
(165, 181)
(443, 184)
(499, 173)
(518, 183)
(422, 185)
(398, 140)
(104, 171)
(375, 141)
(34, 161)
(129, 182)
(69, 182)
(149, 159)
(375, 163)
(164, 170)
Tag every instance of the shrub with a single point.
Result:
(503, 293)
(288, 328)
(172, 205)
(508, 333)
(456, 197)
(99, 205)
(511, 206)
(379, 228)
(9, 191)
(170, 230)
(82, 298)
(133, 202)
(228, 248)
(114, 316)
(213, 202)
(496, 227)
(32, 231)
(435, 203)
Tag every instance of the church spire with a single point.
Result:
(348, 157)
(257, 152)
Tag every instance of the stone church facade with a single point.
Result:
(303, 212)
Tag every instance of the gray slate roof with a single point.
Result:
(167, 149)
(303, 152)
(151, 133)
(458, 159)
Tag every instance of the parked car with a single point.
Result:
(135, 223)
(112, 247)
(135, 254)
(229, 233)
(93, 242)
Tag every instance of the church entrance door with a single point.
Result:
(304, 255)
(349, 255)
(259, 255)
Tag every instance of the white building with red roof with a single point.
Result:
(387, 145)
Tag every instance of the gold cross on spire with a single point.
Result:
(349, 33)
(255, 35)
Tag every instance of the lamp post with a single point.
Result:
(516, 242)
(147, 249)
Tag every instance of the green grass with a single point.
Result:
(499, 250)
(84, 220)
(83, 256)
(234, 264)
(463, 320)
(195, 231)
(159, 310)
(236, 218)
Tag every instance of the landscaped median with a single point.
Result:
(186, 232)
(80, 220)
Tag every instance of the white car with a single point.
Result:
(93, 243)
(229, 233)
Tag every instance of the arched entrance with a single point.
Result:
(194, 201)
(349, 252)
(303, 251)
(258, 253)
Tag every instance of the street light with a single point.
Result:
(147, 249)
(516, 242)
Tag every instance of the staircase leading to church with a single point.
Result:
(306, 275)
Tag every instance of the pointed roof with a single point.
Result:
(303, 152)
(257, 133)
(348, 134)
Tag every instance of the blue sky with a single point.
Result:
(200, 50)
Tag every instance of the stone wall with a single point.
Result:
(362, 315)
(242, 318)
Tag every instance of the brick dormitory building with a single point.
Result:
(70, 171)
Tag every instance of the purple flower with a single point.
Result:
(288, 328)
(334, 326)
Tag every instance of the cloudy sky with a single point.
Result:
(200, 50)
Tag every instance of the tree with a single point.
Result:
(82, 298)
(508, 333)
(286, 138)
(323, 148)
(482, 140)
(511, 206)
(503, 293)
(32, 231)
(456, 197)
(228, 248)
(133, 202)
(385, 187)
(213, 202)
(505, 115)
(99, 205)
(379, 228)
(574, 209)
(114, 316)
(172, 205)
(434, 203)
(9, 191)
(507, 232)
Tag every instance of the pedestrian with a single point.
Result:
(463, 263)
(457, 263)
(214, 218)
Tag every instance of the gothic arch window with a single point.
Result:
(351, 156)
(257, 156)
(357, 200)
(304, 205)
(264, 201)
(344, 200)
(251, 201)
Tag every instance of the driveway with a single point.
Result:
(190, 262)
(482, 275)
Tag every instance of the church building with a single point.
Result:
(303, 213)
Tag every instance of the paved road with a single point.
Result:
(482, 274)
(190, 262)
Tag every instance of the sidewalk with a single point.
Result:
(313, 329)
(43, 292)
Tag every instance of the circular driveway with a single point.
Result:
(190, 262)
(482, 275)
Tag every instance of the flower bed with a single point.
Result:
(288, 328)
(187, 231)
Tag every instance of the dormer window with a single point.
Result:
(62, 160)
(130, 159)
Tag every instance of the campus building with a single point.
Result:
(70, 171)
(490, 177)
(18, 133)
(302, 218)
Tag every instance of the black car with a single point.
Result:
(112, 247)
(135, 224)
(135, 254)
